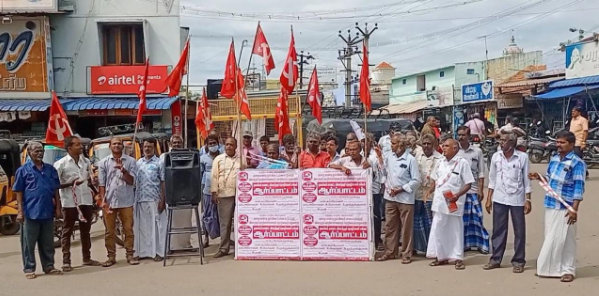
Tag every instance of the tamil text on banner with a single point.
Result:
(24, 63)
(126, 79)
(268, 215)
(336, 215)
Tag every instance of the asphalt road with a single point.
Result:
(226, 276)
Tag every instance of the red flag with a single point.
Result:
(281, 116)
(142, 94)
(228, 87)
(290, 70)
(204, 118)
(314, 96)
(241, 95)
(58, 124)
(365, 81)
(173, 81)
(262, 49)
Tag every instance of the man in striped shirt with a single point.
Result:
(566, 176)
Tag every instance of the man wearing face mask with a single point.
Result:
(210, 221)
(509, 193)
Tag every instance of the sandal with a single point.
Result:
(132, 260)
(30, 275)
(109, 262)
(158, 258)
(491, 266)
(567, 278)
(92, 263)
(385, 257)
(459, 265)
(406, 260)
(53, 271)
(518, 269)
(67, 268)
(438, 263)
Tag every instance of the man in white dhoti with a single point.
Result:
(565, 178)
(150, 217)
(450, 183)
(181, 218)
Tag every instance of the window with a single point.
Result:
(442, 74)
(404, 81)
(470, 71)
(421, 83)
(123, 45)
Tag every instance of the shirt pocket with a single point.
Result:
(563, 176)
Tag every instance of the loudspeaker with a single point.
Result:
(182, 177)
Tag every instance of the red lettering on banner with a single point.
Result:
(126, 79)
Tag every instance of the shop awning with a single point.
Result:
(406, 108)
(564, 92)
(576, 82)
(77, 104)
(24, 105)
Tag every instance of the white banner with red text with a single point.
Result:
(313, 214)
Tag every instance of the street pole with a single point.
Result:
(346, 54)
(366, 33)
(303, 61)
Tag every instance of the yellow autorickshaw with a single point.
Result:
(9, 163)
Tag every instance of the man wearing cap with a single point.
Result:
(251, 153)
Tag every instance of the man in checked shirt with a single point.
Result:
(566, 176)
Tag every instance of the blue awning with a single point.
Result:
(576, 82)
(76, 104)
(24, 105)
(564, 92)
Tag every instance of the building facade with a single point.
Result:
(92, 54)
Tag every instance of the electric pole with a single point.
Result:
(304, 60)
(366, 33)
(345, 56)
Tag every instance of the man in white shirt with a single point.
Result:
(475, 234)
(402, 179)
(428, 161)
(509, 193)
(77, 201)
(451, 182)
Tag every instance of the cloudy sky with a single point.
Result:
(413, 35)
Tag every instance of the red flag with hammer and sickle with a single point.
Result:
(262, 49)
(290, 70)
(58, 124)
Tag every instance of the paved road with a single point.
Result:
(228, 277)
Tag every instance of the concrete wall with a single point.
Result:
(506, 66)
(76, 38)
(462, 76)
(406, 93)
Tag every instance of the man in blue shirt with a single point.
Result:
(36, 185)
(150, 217)
(566, 177)
(273, 161)
(210, 217)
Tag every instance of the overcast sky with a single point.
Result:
(413, 35)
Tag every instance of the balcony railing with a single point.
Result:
(226, 109)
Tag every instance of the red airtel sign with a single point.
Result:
(126, 79)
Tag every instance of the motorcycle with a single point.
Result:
(540, 149)
(489, 148)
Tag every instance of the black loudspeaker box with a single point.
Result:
(182, 177)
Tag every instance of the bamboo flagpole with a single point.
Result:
(247, 71)
(187, 95)
(198, 136)
(237, 100)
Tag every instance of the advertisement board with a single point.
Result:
(176, 121)
(331, 221)
(478, 92)
(25, 55)
(582, 60)
(126, 79)
(28, 6)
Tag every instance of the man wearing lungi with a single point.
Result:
(566, 179)
(450, 183)
(475, 234)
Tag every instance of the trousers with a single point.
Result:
(126, 216)
(226, 210)
(40, 233)
(399, 219)
(71, 215)
(500, 231)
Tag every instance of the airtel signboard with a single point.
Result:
(126, 79)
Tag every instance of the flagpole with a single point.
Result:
(187, 91)
(366, 151)
(238, 102)
(247, 71)
(198, 138)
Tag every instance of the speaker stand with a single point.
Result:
(170, 231)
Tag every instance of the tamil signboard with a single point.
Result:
(28, 6)
(314, 214)
(510, 101)
(26, 55)
(478, 92)
(582, 59)
(126, 79)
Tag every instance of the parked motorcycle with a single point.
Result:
(489, 148)
(540, 149)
